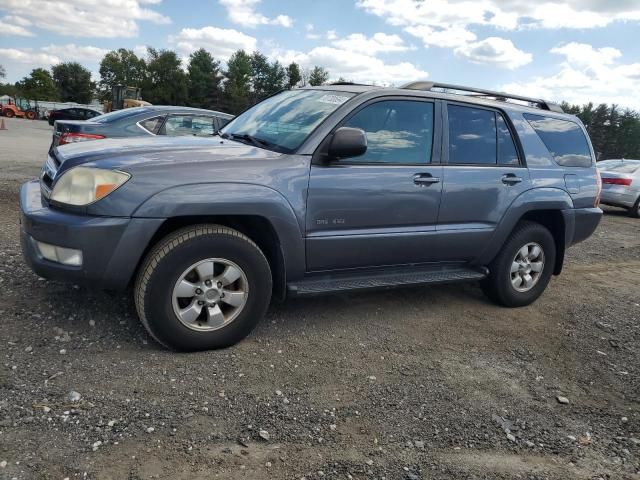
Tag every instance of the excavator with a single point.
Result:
(124, 97)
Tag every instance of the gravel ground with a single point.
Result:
(407, 384)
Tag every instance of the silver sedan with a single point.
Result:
(621, 184)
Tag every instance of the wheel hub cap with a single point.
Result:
(210, 294)
(527, 266)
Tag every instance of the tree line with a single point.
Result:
(247, 79)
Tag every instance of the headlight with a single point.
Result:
(85, 185)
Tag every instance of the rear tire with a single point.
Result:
(31, 115)
(8, 113)
(521, 271)
(635, 210)
(176, 260)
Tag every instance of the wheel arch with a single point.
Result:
(546, 206)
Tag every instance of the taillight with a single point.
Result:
(617, 181)
(598, 188)
(78, 137)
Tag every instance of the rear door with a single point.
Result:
(380, 208)
(483, 173)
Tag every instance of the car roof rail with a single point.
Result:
(479, 92)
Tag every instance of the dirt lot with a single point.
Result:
(420, 383)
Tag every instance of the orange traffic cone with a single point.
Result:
(2, 125)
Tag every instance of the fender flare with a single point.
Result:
(536, 199)
(234, 199)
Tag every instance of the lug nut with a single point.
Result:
(200, 302)
(207, 283)
(222, 295)
(198, 291)
(219, 284)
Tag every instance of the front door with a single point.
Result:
(482, 175)
(380, 208)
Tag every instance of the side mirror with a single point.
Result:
(347, 142)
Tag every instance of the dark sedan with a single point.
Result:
(75, 113)
(141, 122)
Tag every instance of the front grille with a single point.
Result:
(48, 175)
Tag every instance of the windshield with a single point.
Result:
(283, 122)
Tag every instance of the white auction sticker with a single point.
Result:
(333, 99)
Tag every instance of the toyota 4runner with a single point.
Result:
(318, 190)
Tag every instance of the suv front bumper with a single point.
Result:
(111, 246)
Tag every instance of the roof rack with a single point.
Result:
(478, 92)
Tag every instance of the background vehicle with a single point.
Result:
(124, 97)
(141, 122)
(621, 184)
(318, 190)
(21, 108)
(75, 113)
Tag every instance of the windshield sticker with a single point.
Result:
(333, 99)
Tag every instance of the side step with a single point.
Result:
(384, 279)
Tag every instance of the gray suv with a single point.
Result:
(313, 191)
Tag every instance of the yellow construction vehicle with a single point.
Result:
(124, 97)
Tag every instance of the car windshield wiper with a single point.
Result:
(246, 138)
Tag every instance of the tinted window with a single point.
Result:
(507, 153)
(472, 135)
(397, 132)
(92, 113)
(152, 124)
(178, 125)
(564, 139)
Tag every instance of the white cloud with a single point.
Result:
(76, 53)
(586, 74)
(86, 18)
(493, 50)
(28, 56)
(331, 35)
(242, 12)
(353, 66)
(378, 43)
(450, 23)
(13, 25)
(220, 42)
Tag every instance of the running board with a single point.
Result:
(373, 280)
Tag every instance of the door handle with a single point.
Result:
(511, 179)
(425, 179)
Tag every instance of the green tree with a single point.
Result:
(237, 87)
(73, 82)
(294, 77)
(120, 67)
(318, 76)
(38, 86)
(165, 82)
(204, 80)
(3, 72)
(276, 78)
(259, 76)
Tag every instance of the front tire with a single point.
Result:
(521, 271)
(203, 287)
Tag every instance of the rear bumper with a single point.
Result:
(580, 223)
(111, 246)
(619, 197)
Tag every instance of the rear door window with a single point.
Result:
(472, 136)
(564, 139)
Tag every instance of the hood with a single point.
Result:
(128, 152)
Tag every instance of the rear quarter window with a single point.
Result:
(564, 139)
